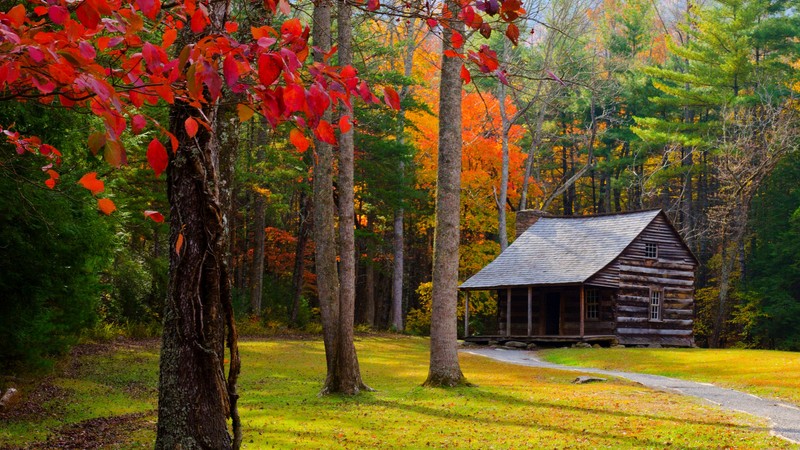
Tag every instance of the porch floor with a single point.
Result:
(543, 339)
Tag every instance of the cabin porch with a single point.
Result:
(549, 314)
(543, 341)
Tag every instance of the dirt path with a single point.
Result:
(785, 418)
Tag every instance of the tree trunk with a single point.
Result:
(398, 240)
(259, 213)
(347, 379)
(369, 288)
(506, 129)
(324, 211)
(195, 397)
(303, 222)
(444, 367)
(397, 273)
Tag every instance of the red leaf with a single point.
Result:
(452, 54)
(512, 32)
(106, 206)
(191, 129)
(90, 182)
(391, 98)
(231, 27)
(199, 21)
(299, 140)
(268, 69)
(169, 37)
(51, 182)
(373, 5)
(179, 243)
(465, 74)
(87, 15)
(432, 22)
(292, 27)
(17, 15)
(138, 123)
(457, 40)
(283, 5)
(325, 133)
(230, 70)
(344, 124)
(294, 97)
(58, 14)
(155, 216)
(157, 156)
(173, 141)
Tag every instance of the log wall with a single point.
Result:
(672, 272)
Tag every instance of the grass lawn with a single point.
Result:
(512, 407)
(765, 373)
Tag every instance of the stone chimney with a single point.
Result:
(526, 218)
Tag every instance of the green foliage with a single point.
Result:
(54, 245)
(773, 282)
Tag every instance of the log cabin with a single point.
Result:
(625, 278)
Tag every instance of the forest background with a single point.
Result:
(601, 107)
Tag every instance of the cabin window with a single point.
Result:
(650, 250)
(655, 304)
(592, 304)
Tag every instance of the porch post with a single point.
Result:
(530, 310)
(583, 308)
(466, 314)
(508, 312)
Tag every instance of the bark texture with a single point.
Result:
(444, 368)
(195, 398)
(345, 376)
(325, 211)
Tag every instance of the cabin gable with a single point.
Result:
(655, 301)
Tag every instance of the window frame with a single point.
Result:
(592, 298)
(647, 247)
(656, 293)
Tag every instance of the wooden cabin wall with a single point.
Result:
(673, 273)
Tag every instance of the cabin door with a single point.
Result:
(552, 313)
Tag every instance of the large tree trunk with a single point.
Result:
(195, 397)
(347, 375)
(444, 368)
(324, 212)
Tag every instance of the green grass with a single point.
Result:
(765, 373)
(512, 407)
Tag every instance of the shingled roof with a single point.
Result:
(562, 250)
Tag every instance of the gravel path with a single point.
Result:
(785, 418)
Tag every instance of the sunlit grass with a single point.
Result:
(762, 372)
(512, 406)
